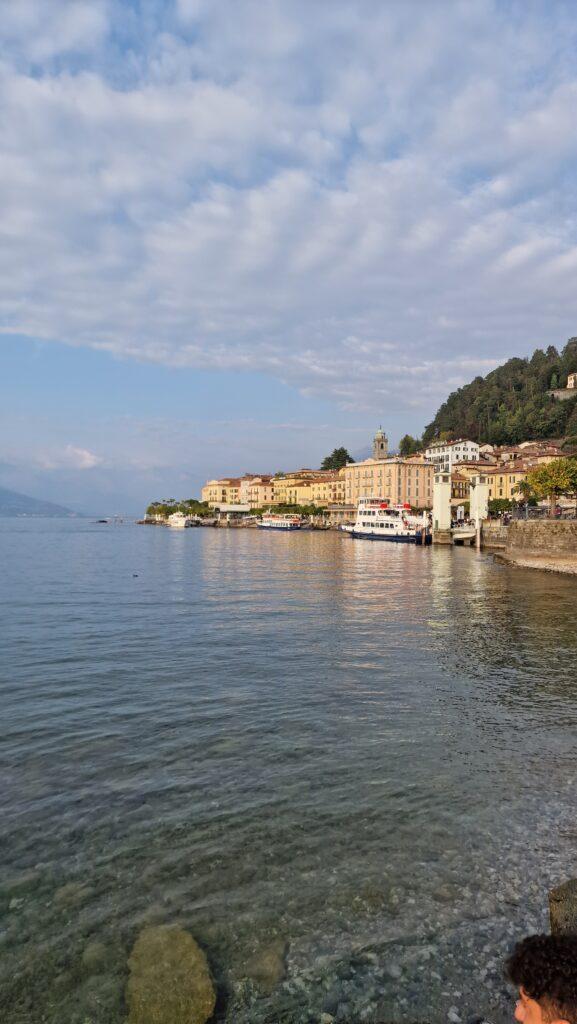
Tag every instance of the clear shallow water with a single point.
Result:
(361, 754)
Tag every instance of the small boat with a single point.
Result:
(278, 521)
(378, 520)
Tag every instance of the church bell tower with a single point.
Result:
(380, 445)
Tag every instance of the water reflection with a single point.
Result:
(341, 744)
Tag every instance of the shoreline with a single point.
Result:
(565, 565)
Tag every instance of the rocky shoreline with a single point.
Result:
(565, 564)
(549, 545)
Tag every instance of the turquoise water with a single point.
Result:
(362, 755)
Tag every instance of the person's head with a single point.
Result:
(544, 969)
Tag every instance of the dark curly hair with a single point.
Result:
(545, 966)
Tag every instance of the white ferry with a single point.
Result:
(277, 521)
(378, 520)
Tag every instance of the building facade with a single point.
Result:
(504, 480)
(310, 487)
(444, 454)
(260, 491)
(396, 480)
(224, 491)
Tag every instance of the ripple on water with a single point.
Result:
(348, 771)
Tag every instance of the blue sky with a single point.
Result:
(237, 233)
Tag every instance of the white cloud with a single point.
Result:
(252, 186)
(69, 457)
(39, 30)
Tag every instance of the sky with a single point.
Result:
(239, 233)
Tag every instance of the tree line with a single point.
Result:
(512, 403)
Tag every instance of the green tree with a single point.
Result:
(512, 403)
(497, 505)
(552, 480)
(409, 445)
(337, 459)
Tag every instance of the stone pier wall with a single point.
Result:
(494, 534)
(544, 538)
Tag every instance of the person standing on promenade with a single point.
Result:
(544, 969)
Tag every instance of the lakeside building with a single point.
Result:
(308, 487)
(257, 491)
(302, 487)
(507, 468)
(395, 479)
(444, 454)
(226, 490)
(536, 451)
(460, 487)
(504, 480)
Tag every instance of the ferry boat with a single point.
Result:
(278, 521)
(378, 520)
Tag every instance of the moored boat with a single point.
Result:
(378, 520)
(278, 521)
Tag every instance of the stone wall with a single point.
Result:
(563, 394)
(544, 537)
(494, 534)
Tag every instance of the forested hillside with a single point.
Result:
(511, 403)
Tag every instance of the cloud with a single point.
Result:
(69, 457)
(39, 30)
(349, 197)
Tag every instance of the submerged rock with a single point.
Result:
(169, 979)
(71, 894)
(23, 880)
(267, 967)
(94, 956)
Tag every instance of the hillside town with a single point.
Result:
(393, 477)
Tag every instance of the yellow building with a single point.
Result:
(260, 492)
(225, 491)
(504, 481)
(310, 487)
(397, 480)
(460, 488)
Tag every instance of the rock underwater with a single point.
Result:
(169, 979)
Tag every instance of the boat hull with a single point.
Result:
(392, 539)
(277, 529)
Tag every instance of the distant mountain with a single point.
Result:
(512, 403)
(14, 504)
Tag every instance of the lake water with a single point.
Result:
(359, 759)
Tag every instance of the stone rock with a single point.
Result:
(15, 903)
(25, 880)
(446, 893)
(169, 980)
(393, 970)
(94, 956)
(267, 967)
(71, 894)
